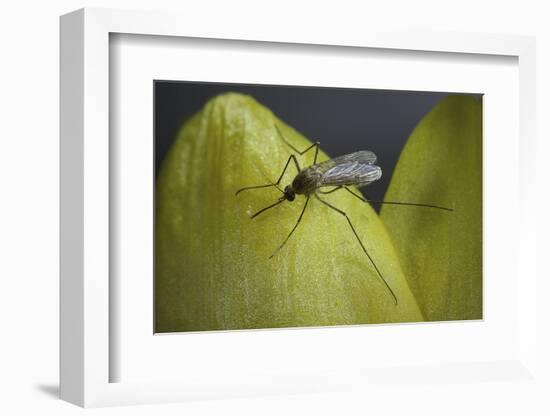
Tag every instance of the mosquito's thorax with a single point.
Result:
(307, 181)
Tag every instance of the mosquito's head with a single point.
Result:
(289, 193)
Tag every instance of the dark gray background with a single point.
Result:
(343, 120)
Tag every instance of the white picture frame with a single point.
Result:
(86, 356)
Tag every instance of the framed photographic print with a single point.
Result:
(215, 270)
(267, 214)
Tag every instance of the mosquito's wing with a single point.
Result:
(362, 156)
(354, 169)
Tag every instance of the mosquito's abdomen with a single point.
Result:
(350, 173)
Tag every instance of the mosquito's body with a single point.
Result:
(355, 169)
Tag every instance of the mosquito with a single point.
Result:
(355, 169)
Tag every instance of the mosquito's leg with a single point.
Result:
(361, 244)
(276, 184)
(268, 207)
(396, 203)
(329, 192)
(314, 145)
(293, 229)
